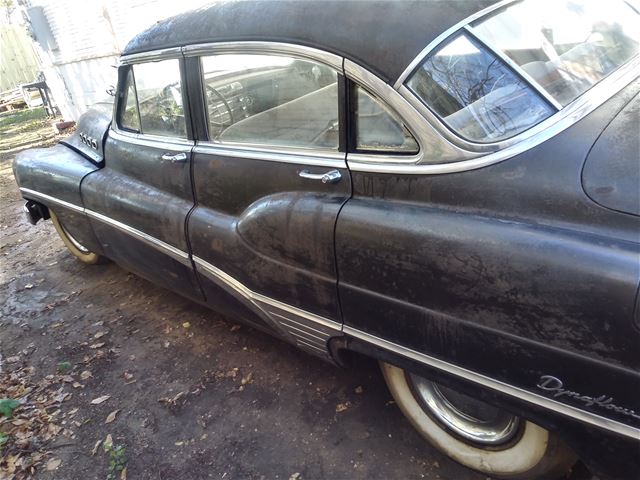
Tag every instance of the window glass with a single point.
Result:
(271, 100)
(476, 94)
(377, 128)
(129, 118)
(160, 98)
(567, 46)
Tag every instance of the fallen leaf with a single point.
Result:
(86, 374)
(295, 476)
(97, 345)
(112, 416)
(99, 335)
(186, 325)
(123, 474)
(99, 400)
(95, 448)
(15, 359)
(179, 444)
(341, 407)
(359, 390)
(29, 286)
(53, 464)
(77, 385)
(127, 375)
(246, 379)
(235, 327)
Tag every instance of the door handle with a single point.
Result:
(174, 157)
(332, 176)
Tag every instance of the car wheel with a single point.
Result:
(79, 251)
(476, 434)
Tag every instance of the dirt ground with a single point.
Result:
(195, 395)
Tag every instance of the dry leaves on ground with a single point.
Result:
(31, 425)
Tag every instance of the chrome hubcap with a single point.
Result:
(75, 242)
(473, 420)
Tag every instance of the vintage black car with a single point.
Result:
(451, 188)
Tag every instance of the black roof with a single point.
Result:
(385, 35)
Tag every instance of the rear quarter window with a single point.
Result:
(475, 93)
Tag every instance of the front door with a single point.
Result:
(270, 179)
(138, 203)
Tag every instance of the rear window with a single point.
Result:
(476, 94)
(510, 71)
(565, 46)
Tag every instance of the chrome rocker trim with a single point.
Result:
(311, 332)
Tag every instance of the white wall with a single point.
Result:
(90, 34)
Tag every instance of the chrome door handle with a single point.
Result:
(332, 176)
(174, 157)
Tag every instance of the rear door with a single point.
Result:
(138, 203)
(270, 178)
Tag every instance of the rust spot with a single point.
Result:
(216, 244)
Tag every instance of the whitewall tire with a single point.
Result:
(530, 453)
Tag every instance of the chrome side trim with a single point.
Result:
(522, 394)
(307, 330)
(153, 141)
(173, 252)
(442, 37)
(153, 56)
(320, 158)
(514, 66)
(34, 195)
(292, 49)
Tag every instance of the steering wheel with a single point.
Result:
(217, 113)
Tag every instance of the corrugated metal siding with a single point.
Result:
(19, 61)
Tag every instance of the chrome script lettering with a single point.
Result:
(555, 386)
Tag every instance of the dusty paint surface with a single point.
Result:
(198, 396)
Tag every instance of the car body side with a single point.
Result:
(482, 278)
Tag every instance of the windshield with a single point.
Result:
(565, 46)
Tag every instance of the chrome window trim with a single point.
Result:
(154, 141)
(258, 301)
(543, 131)
(264, 48)
(442, 37)
(433, 147)
(152, 56)
(513, 391)
(318, 158)
(535, 86)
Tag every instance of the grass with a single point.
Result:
(8, 119)
(117, 460)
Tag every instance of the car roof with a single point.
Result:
(383, 35)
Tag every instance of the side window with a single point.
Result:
(377, 128)
(476, 94)
(153, 103)
(271, 100)
(129, 118)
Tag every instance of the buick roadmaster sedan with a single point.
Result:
(451, 188)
